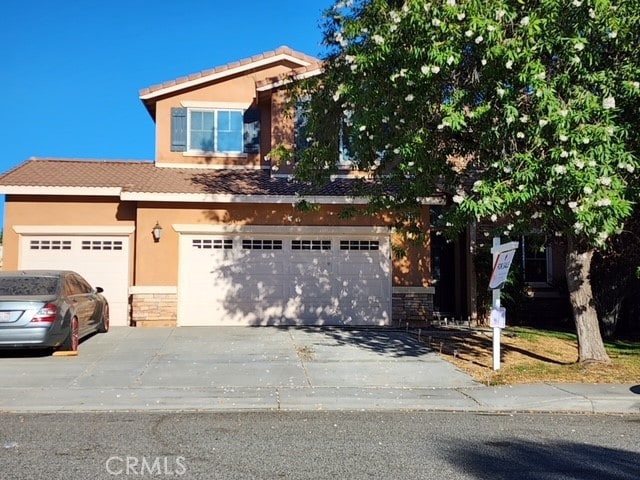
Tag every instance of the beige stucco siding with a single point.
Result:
(157, 263)
(43, 211)
(240, 89)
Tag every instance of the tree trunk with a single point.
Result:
(590, 345)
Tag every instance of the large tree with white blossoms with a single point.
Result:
(525, 113)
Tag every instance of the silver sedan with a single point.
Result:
(49, 309)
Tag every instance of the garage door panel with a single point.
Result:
(311, 288)
(260, 288)
(311, 269)
(363, 266)
(102, 260)
(360, 281)
(285, 280)
(265, 267)
(319, 311)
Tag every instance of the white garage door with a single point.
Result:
(102, 260)
(267, 279)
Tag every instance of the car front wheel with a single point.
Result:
(103, 327)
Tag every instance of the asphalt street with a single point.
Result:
(318, 445)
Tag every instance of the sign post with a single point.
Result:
(502, 258)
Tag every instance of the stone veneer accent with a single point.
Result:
(413, 305)
(154, 306)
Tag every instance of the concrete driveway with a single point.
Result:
(242, 367)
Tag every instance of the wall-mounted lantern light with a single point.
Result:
(157, 232)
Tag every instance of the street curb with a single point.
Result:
(548, 399)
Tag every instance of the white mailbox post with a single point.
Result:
(502, 258)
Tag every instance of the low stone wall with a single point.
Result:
(412, 305)
(154, 306)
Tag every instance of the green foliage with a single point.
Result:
(306, 206)
(522, 113)
(348, 213)
(280, 155)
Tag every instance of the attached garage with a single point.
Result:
(284, 276)
(103, 259)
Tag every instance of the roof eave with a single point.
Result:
(289, 79)
(259, 198)
(181, 197)
(177, 86)
(237, 198)
(54, 190)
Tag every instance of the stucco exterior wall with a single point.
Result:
(156, 262)
(60, 211)
(240, 89)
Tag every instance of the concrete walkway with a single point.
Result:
(267, 368)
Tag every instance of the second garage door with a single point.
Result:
(271, 279)
(102, 260)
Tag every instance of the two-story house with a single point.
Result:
(207, 233)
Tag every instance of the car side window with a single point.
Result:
(66, 287)
(69, 286)
(74, 285)
(83, 286)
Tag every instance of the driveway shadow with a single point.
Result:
(26, 352)
(35, 352)
(383, 341)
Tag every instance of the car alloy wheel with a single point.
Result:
(104, 322)
(70, 343)
(75, 334)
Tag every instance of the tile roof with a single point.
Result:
(145, 177)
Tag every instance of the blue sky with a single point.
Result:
(70, 71)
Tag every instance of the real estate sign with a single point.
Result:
(501, 268)
(502, 257)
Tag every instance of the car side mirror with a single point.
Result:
(99, 289)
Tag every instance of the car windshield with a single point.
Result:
(28, 286)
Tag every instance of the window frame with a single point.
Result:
(547, 262)
(216, 111)
(343, 161)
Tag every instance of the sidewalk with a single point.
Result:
(274, 369)
(565, 398)
(603, 399)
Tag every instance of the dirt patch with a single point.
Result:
(529, 356)
(305, 353)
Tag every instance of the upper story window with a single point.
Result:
(215, 131)
(200, 127)
(344, 158)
